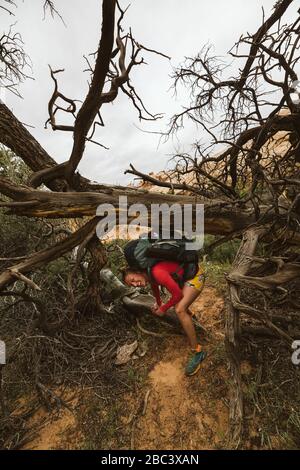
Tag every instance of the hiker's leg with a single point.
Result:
(190, 294)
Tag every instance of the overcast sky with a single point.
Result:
(176, 27)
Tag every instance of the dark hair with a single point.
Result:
(128, 269)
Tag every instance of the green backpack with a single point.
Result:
(144, 253)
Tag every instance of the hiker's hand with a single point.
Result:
(156, 310)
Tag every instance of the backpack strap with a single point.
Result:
(149, 274)
(176, 277)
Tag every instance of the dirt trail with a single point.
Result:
(188, 412)
(181, 412)
(58, 430)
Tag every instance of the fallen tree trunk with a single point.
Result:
(220, 217)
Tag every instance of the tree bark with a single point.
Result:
(15, 136)
(92, 299)
(240, 266)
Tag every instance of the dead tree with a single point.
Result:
(249, 190)
(255, 117)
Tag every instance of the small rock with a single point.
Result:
(124, 353)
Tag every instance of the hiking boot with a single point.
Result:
(194, 363)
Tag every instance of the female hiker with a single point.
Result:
(181, 298)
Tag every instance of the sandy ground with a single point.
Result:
(182, 413)
(179, 412)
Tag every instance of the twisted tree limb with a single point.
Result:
(35, 261)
